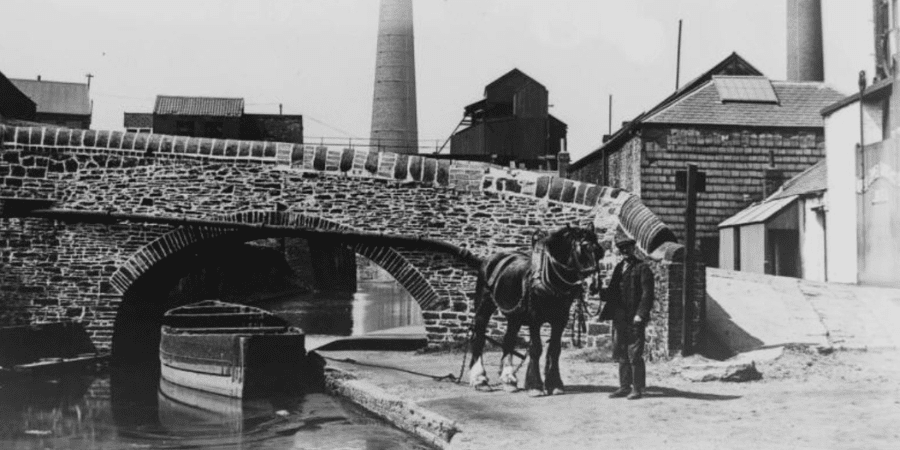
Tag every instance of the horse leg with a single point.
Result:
(477, 374)
(507, 364)
(533, 382)
(552, 380)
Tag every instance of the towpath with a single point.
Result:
(830, 369)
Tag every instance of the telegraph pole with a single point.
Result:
(678, 59)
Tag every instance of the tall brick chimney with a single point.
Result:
(805, 60)
(394, 121)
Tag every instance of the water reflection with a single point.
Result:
(127, 407)
(377, 305)
(117, 410)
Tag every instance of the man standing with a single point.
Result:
(630, 293)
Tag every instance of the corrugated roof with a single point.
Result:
(813, 179)
(138, 120)
(799, 105)
(57, 97)
(199, 106)
(758, 213)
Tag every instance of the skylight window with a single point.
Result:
(745, 89)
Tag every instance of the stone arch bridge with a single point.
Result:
(85, 215)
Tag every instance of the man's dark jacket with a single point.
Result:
(630, 292)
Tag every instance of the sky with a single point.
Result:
(317, 57)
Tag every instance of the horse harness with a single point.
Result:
(544, 274)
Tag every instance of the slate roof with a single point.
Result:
(515, 72)
(733, 64)
(682, 107)
(198, 106)
(57, 97)
(138, 120)
(799, 105)
(813, 179)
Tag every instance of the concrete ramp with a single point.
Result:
(748, 311)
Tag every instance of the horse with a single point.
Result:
(532, 290)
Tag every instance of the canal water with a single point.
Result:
(324, 317)
(129, 408)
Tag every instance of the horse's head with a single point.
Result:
(578, 248)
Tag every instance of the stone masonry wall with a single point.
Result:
(475, 206)
(625, 167)
(53, 271)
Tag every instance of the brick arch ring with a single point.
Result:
(385, 257)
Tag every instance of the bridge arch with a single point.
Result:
(180, 238)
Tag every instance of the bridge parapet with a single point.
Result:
(32, 154)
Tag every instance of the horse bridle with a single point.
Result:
(556, 265)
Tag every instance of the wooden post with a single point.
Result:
(690, 225)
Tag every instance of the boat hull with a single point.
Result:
(239, 364)
(48, 350)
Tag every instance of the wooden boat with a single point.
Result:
(231, 350)
(48, 350)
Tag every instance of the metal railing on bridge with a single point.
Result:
(421, 146)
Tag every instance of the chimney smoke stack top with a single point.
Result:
(805, 60)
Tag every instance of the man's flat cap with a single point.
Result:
(623, 241)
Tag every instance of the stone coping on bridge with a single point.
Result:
(143, 149)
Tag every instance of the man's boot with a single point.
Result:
(640, 379)
(624, 381)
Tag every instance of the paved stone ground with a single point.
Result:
(833, 386)
(805, 400)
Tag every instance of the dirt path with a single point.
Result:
(844, 400)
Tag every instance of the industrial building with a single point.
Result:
(748, 134)
(58, 103)
(511, 124)
(214, 117)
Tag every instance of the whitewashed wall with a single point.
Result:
(812, 239)
(841, 138)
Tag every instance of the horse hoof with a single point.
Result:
(557, 391)
(510, 387)
(536, 393)
(478, 382)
